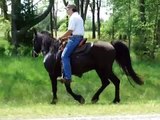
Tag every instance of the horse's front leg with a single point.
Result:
(54, 87)
(79, 98)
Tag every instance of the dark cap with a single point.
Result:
(73, 6)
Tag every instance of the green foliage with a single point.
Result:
(60, 22)
(88, 24)
(62, 27)
(4, 27)
(2, 50)
(145, 43)
(24, 13)
(126, 19)
(106, 30)
(21, 51)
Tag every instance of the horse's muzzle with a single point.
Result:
(34, 53)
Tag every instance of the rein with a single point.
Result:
(35, 52)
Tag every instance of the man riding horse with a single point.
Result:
(74, 34)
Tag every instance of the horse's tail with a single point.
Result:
(124, 60)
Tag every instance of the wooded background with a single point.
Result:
(137, 22)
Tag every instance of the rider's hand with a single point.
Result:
(60, 40)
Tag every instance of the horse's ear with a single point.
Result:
(34, 31)
(54, 39)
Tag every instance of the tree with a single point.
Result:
(3, 6)
(157, 23)
(129, 23)
(20, 25)
(82, 6)
(92, 5)
(142, 11)
(98, 3)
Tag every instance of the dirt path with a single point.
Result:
(119, 117)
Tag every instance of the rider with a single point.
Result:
(74, 34)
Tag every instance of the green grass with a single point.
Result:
(21, 80)
(25, 90)
(74, 109)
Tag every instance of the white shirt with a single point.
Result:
(76, 24)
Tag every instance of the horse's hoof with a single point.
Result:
(54, 101)
(116, 101)
(94, 100)
(82, 100)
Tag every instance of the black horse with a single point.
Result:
(98, 56)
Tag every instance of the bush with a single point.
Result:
(24, 51)
(106, 30)
(21, 51)
(145, 45)
(2, 50)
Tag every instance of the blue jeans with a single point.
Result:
(73, 42)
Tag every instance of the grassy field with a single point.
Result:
(70, 110)
(25, 91)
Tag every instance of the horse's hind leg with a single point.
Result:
(79, 98)
(116, 83)
(105, 82)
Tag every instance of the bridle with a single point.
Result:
(35, 52)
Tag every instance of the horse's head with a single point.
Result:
(37, 43)
(43, 42)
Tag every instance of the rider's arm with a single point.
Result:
(66, 35)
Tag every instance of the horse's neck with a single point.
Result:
(54, 47)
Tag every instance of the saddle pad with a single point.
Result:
(84, 48)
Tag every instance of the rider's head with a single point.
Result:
(71, 8)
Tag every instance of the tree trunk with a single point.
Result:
(37, 19)
(98, 18)
(142, 11)
(77, 4)
(141, 33)
(157, 25)
(55, 10)
(113, 22)
(92, 5)
(13, 25)
(158, 33)
(4, 8)
(129, 24)
(66, 3)
(82, 7)
(51, 22)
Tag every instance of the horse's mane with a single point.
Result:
(48, 37)
(46, 33)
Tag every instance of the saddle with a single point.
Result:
(63, 44)
(82, 48)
